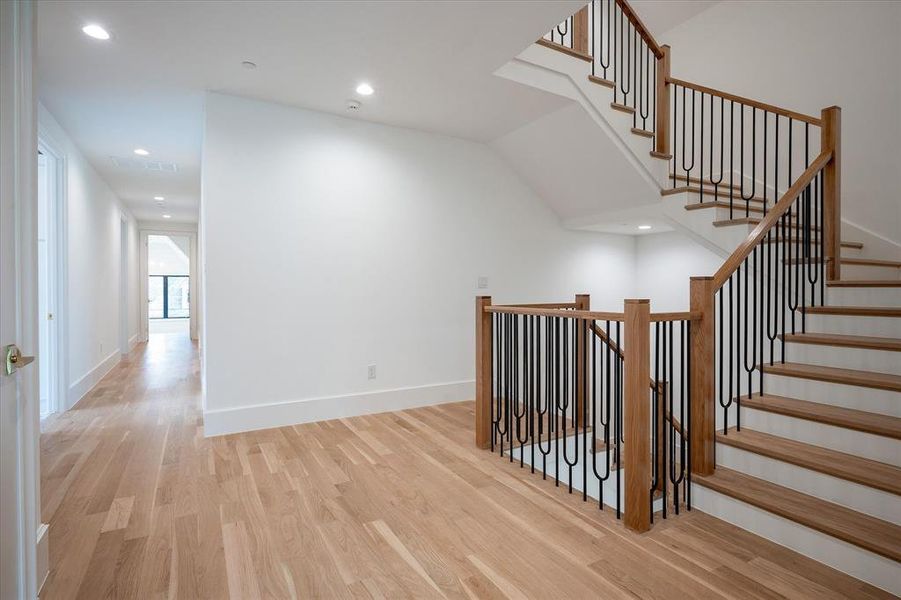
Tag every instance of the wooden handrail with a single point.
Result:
(770, 220)
(563, 305)
(640, 28)
(676, 316)
(554, 312)
(747, 101)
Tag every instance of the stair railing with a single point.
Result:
(743, 155)
(625, 57)
(761, 294)
(568, 391)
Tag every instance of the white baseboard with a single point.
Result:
(43, 554)
(280, 414)
(80, 388)
(132, 342)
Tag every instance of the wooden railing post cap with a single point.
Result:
(833, 107)
(637, 301)
(702, 278)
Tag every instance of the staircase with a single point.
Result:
(795, 434)
(816, 465)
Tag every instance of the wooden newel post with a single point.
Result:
(831, 139)
(483, 372)
(661, 131)
(702, 350)
(583, 302)
(637, 414)
(580, 31)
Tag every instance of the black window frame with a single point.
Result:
(166, 295)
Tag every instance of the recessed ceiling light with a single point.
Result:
(141, 152)
(644, 227)
(95, 31)
(160, 198)
(364, 89)
(247, 64)
(167, 216)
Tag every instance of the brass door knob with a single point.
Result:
(15, 360)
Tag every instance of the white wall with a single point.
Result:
(330, 244)
(806, 56)
(93, 214)
(664, 264)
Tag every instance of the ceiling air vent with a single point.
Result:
(141, 164)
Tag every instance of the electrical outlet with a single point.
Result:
(370, 370)
(483, 282)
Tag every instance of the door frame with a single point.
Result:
(191, 234)
(19, 134)
(59, 341)
(124, 344)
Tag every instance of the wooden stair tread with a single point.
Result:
(870, 379)
(723, 185)
(865, 262)
(852, 468)
(643, 132)
(859, 529)
(749, 221)
(660, 155)
(622, 108)
(865, 283)
(855, 245)
(871, 262)
(856, 311)
(601, 81)
(736, 195)
(846, 341)
(838, 416)
(720, 204)
(564, 49)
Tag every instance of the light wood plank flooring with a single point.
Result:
(397, 505)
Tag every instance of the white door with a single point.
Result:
(18, 304)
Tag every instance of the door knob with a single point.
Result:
(15, 360)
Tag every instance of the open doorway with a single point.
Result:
(169, 284)
(51, 355)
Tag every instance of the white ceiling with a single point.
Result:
(431, 64)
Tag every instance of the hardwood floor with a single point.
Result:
(396, 505)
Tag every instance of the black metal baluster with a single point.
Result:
(753, 158)
(716, 182)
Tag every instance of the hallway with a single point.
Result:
(141, 505)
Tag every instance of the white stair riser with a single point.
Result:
(855, 325)
(870, 272)
(880, 361)
(863, 296)
(847, 558)
(861, 498)
(849, 396)
(849, 441)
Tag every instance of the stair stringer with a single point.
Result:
(557, 73)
